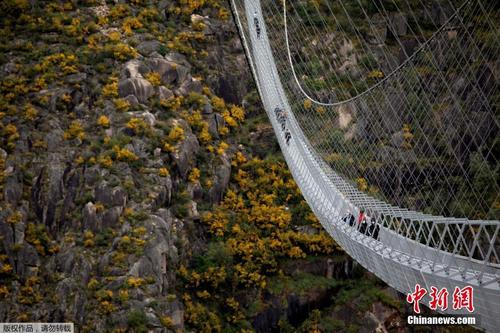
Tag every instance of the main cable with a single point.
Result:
(379, 83)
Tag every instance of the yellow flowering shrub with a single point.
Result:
(167, 322)
(88, 238)
(194, 175)
(407, 137)
(58, 63)
(229, 119)
(75, 130)
(105, 161)
(204, 134)
(14, 218)
(218, 104)
(251, 230)
(222, 148)
(163, 172)
(122, 51)
(4, 291)
(375, 74)
(307, 104)
(223, 14)
(320, 110)
(154, 78)
(137, 125)
(176, 134)
(114, 36)
(134, 282)
(119, 11)
(362, 184)
(111, 89)
(131, 23)
(121, 104)
(169, 148)
(30, 112)
(238, 113)
(103, 121)
(123, 154)
(172, 103)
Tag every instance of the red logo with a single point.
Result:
(438, 299)
(415, 297)
(462, 298)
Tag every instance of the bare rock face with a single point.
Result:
(186, 149)
(138, 87)
(164, 93)
(90, 220)
(170, 71)
(111, 217)
(188, 86)
(133, 83)
(345, 116)
(148, 46)
(215, 122)
(378, 31)
(160, 253)
(54, 191)
(28, 260)
(163, 191)
(222, 176)
(398, 24)
(114, 199)
(108, 196)
(12, 190)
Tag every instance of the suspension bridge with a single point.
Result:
(388, 114)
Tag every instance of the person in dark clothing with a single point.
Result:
(281, 117)
(282, 120)
(374, 228)
(288, 136)
(277, 112)
(362, 225)
(349, 218)
(256, 24)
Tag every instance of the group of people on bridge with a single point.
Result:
(256, 24)
(281, 117)
(369, 229)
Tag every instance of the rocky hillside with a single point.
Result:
(142, 189)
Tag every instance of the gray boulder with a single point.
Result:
(90, 220)
(111, 217)
(111, 197)
(215, 121)
(222, 176)
(164, 93)
(13, 190)
(186, 150)
(138, 86)
(147, 47)
(133, 101)
(160, 65)
(377, 33)
(188, 86)
(398, 24)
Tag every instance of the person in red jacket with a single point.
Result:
(362, 225)
(361, 216)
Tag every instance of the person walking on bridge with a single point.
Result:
(362, 225)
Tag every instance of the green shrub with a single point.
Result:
(137, 320)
